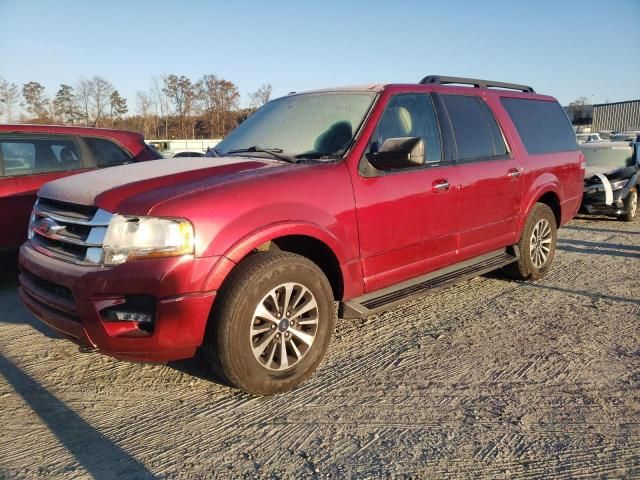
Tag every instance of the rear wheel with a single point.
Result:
(630, 206)
(271, 324)
(537, 245)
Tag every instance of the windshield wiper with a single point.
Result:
(274, 152)
(317, 156)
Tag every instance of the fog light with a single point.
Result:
(126, 316)
(137, 309)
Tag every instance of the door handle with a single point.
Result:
(513, 173)
(440, 186)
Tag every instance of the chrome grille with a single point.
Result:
(69, 232)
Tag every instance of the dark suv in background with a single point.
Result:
(32, 155)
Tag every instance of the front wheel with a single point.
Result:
(630, 206)
(271, 324)
(537, 245)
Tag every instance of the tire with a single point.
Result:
(245, 339)
(535, 258)
(630, 206)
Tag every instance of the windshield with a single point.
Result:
(608, 158)
(314, 125)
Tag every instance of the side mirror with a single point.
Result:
(400, 152)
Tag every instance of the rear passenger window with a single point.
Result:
(107, 153)
(22, 155)
(542, 125)
(475, 129)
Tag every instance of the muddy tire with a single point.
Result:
(630, 206)
(271, 323)
(537, 245)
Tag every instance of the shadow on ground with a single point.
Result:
(99, 456)
(12, 311)
(8, 268)
(199, 367)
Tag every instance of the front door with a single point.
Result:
(407, 218)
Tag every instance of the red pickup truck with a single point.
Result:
(32, 155)
(367, 196)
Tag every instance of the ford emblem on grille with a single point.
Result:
(48, 225)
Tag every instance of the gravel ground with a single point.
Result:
(491, 378)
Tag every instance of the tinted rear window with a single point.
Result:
(542, 126)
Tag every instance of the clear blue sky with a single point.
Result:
(568, 49)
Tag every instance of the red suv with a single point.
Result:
(32, 155)
(366, 196)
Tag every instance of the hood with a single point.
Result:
(156, 181)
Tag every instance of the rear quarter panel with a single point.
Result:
(560, 173)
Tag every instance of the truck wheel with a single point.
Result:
(271, 323)
(537, 245)
(630, 206)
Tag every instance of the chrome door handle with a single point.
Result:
(440, 186)
(513, 173)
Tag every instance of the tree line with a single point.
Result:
(173, 106)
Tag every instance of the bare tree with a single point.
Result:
(261, 96)
(143, 107)
(161, 102)
(83, 100)
(9, 96)
(183, 94)
(211, 101)
(230, 98)
(100, 98)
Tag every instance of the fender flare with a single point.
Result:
(540, 190)
(254, 239)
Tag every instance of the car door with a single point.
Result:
(489, 174)
(26, 163)
(407, 217)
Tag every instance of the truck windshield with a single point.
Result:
(312, 125)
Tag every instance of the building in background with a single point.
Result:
(619, 116)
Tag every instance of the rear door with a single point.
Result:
(490, 176)
(26, 163)
(407, 218)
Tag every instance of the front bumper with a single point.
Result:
(595, 203)
(70, 299)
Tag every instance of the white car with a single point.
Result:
(588, 137)
(182, 153)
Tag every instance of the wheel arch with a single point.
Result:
(548, 195)
(304, 239)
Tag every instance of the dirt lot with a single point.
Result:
(491, 378)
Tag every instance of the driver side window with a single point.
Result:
(410, 115)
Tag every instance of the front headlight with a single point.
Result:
(618, 184)
(130, 237)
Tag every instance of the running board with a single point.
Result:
(389, 297)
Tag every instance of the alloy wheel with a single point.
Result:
(284, 326)
(540, 243)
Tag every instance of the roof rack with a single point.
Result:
(477, 83)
